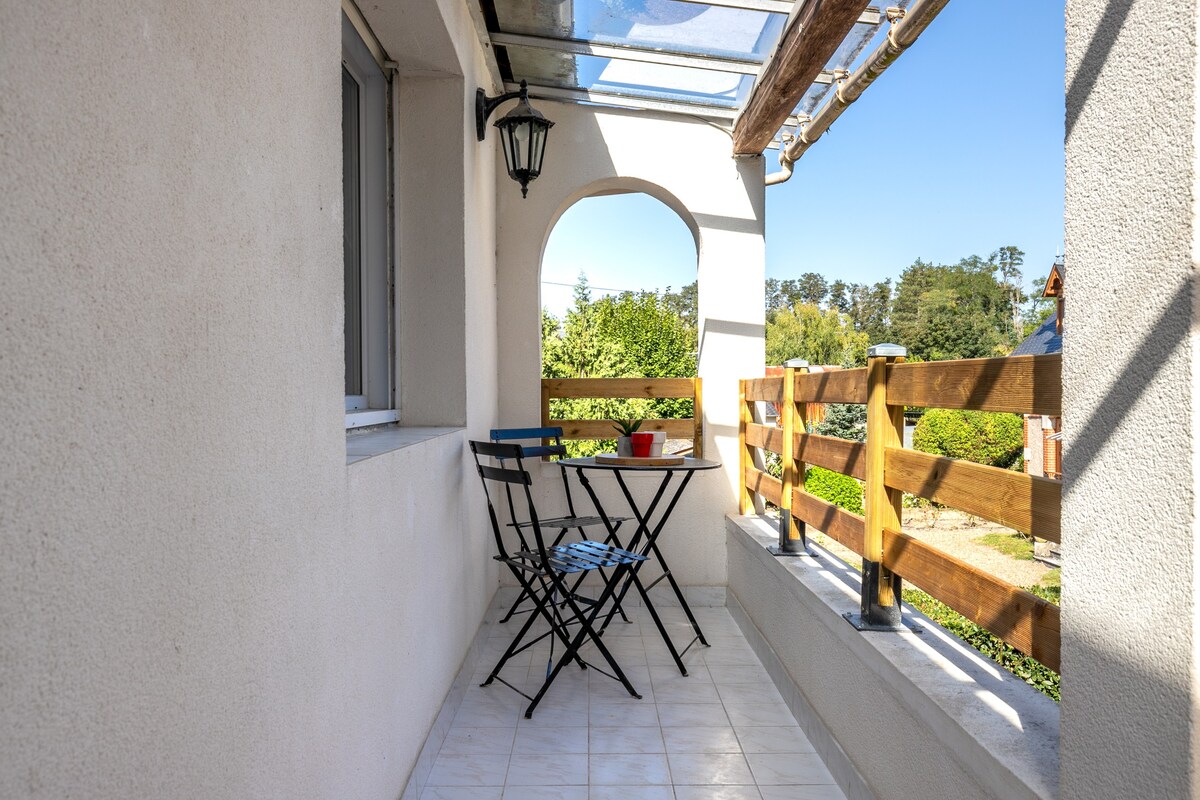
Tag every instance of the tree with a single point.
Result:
(839, 297)
(585, 352)
(958, 311)
(947, 327)
(683, 304)
(811, 289)
(871, 310)
(845, 421)
(820, 337)
(1008, 262)
(1039, 308)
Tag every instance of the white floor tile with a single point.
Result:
(774, 740)
(631, 793)
(717, 793)
(707, 769)
(568, 769)
(478, 741)
(783, 769)
(622, 769)
(801, 793)
(550, 739)
(626, 739)
(471, 770)
(752, 714)
(701, 740)
(692, 714)
(462, 793)
(546, 793)
(610, 715)
(764, 692)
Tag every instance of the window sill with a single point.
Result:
(366, 417)
(364, 444)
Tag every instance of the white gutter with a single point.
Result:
(900, 36)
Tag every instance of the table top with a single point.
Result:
(688, 464)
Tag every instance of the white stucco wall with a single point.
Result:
(687, 165)
(198, 597)
(1129, 702)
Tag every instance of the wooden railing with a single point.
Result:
(1030, 504)
(626, 389)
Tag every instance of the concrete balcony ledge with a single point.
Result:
(894, 715)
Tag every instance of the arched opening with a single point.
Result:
(618, 300)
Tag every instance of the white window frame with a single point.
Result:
(376, 404)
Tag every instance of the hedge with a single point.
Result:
(979, 436)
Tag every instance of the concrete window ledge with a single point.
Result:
(364, 444)
(894, 715)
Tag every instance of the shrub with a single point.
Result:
(841, 490)
(979, 436)
(844, 422)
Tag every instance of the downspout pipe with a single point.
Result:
(900, 37)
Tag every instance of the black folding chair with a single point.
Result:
(566, 522)
(542, 570)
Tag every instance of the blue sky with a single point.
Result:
(956, 150)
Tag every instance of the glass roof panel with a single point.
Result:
(661, 81)
(669, 24)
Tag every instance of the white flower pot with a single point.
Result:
(660, 438)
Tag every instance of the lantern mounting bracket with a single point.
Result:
(484, 106)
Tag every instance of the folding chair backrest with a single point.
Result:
(539, 450)
(507, 475)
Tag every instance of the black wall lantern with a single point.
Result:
(522, 133)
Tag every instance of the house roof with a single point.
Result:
(1042, 341)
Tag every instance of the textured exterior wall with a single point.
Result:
(688, 166)
(1129, 356)
(198, 598)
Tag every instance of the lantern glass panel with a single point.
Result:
(520, 135)
(537, 149)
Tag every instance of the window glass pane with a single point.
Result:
(352, 233)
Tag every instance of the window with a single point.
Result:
(369, 327)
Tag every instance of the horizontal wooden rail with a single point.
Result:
(1023, 620)
(838, 386)
(759, 482)
(1027, 503)
(768, 437)
(603, 428)
(836, 523)
(627, 389)
(1018, 384)
(830, 452)
(769, 390)
(621, 388)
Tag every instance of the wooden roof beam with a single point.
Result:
(806, 46)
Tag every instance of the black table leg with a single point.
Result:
(650, 547)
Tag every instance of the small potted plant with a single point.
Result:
(626, 427)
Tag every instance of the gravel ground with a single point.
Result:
(952, 532)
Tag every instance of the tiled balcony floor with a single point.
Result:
(721, 733)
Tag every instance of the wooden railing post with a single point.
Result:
(745, 500)
(698, 417)
(885, 428)
(792, 539)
